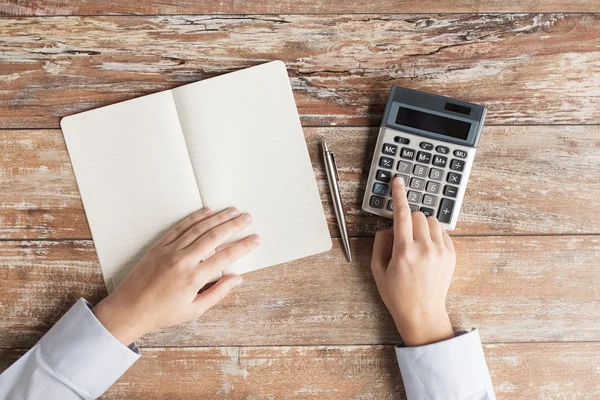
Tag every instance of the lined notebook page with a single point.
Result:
(134, 175)
(247, 149)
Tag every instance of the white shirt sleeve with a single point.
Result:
(77, 359)
(454, 369)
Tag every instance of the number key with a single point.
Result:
(377, 202)
(432, 187)
(404, 166)
(417, 183)
(429, 200)
(414, 197)
(436, 174)
(420, 170)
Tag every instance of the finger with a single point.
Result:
(227, 256)
(213, 295)
(447, 240)
(435, 230)
(402, 217)
(184, 225)
(382, 252)
(195, 231)
(420, 227)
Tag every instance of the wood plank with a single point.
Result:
(104, 7)
(519, 371)
(527, 68)
(516, 289)
(525, 180)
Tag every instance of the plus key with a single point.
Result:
(445, 210)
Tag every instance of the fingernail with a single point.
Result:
(399, 181)
(247, 217)
(256, 238)
(233, 211)
(237, 281)
(206, 210)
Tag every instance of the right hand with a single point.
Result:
(413, 265)
(162, 289)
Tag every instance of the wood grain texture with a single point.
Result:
(512, 288)
(525, 180)
(106, 7)
(527, 68)
(518, 370)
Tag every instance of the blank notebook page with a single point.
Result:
(248, 150)
(134, 175)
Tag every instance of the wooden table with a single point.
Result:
(528, 248)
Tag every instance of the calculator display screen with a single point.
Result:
(433, 123)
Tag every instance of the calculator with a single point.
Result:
(430, 142)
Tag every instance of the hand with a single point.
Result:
(162, 289)
(413, 265)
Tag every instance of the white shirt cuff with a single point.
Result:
(85, 353)
(451, 369)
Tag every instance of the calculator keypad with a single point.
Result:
(432, 174)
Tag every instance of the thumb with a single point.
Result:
(213, 295)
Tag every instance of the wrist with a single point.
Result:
(425, 328)
(117, 321)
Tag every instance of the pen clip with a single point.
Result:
(335, 170)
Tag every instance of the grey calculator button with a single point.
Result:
(450, 191)
(427, 211)
(406, 179)
(420, 170)
(390, 205)
(432, 187)
(402, 140)
(439, 161)
(429, 200)
(383, 175)
(457, 165)
(445, 210)
(389, 149)
(442, 149)
(386, 162)
(414, 197)
(407, 153)
(436, 174)
(417, 183)
(404, 166)
(413, 207)
(424, 157)
(380, 189)
(460, 153)
(377, 202)
(453, 178)
(426, 145)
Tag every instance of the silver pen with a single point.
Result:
(334, 185)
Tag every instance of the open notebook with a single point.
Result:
(234, 140)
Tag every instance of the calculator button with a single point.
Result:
(432, 187)
(417, 183)
(404, 166)
(386, 162)
(383, 176)
(436, 174)
(426, 146)
(420, 170)
(457, 165)
(429, 200)
(460, 153)
(442, 149)
(453, 178)
(413, 207)
(407, 154)
(380, 189)
(445, 211)
(427, 211)
(450, 191)
(414, 197)
(402, 140)
(439, 161)
(405, 177)
(390, 205)
(377, 202)
(424, 157)
(389, 149)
